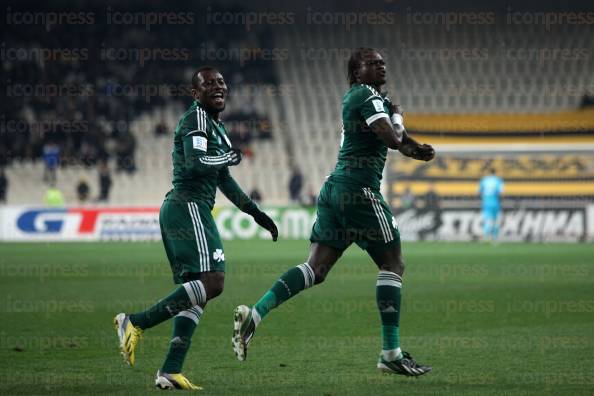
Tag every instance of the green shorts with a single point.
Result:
(348, 214)
(191, 239)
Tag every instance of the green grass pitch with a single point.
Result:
(510, 319)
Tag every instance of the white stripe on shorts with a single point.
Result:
(196, 226)
(381, 217)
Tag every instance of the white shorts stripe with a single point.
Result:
(201, 241)
(368, 194)
(385, 228)
(202, 234)
(198, 241)
(382, 216)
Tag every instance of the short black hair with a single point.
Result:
(355, 62)
(197, 72)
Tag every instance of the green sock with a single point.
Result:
(184, 297)
(184, 325)
(388, 298)
(288, 285)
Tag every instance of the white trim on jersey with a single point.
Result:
(373, 90)
(376, 117)
(374, 96)
(201, 120)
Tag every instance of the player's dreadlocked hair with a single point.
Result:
(355, 63)
(197, 72)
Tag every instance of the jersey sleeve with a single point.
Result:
(370, 105)
(234, 193)
(195, 129)
(194, 135)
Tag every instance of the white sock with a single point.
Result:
(256, 317)
(392, 354)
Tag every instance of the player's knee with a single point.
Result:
(396, 266)
(400, 267)
(214, 283)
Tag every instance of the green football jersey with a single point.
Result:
(198, 133)
(362, 154)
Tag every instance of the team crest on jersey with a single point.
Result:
(218, 255)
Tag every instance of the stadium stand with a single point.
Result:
(430, 74)
(93, 107)
(439, 74)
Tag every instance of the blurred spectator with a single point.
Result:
(295, 185)
(161, 129)
(256, 196)
(53, 196)
(431, 199)
(82, 191)
(407, 200)
(3, 185)
(430, 204)
(265, 129)
(125, 146)
(104, 182)
(587, 101)
(77, 123)
(311, 198)
(51, 159)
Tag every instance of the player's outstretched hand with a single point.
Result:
(235, 156)
(424, 152)
(266, 222)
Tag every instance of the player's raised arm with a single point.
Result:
(411, 148)
(385, 131)
(235, 194)
(196, 159)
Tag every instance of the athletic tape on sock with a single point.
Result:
(196, 292)
(387, 278)
(193, 313)
(392, 354)
(308, 274)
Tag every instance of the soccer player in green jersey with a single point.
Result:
(352, 209)
(201, 156)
